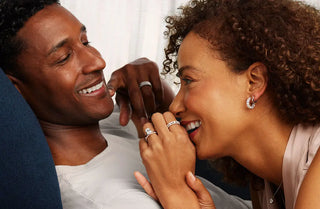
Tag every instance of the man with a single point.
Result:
(46, 54)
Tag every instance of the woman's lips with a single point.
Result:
(191, 127)
(193, 133)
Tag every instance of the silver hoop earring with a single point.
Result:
(250, 103)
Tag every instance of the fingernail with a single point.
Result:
(192, 177)
(143, 120)
(111, 90)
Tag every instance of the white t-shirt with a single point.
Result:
(107, 180)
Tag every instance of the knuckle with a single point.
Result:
(147, 92)
(168, 114)
(180, 137)
(146, 155)
(143, 59)
(155, 116)
(147, 125)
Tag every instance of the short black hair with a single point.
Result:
(13, 15)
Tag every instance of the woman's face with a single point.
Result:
(211, 101)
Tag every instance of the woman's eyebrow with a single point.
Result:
(183, 68)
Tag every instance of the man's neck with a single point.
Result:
(73, 145)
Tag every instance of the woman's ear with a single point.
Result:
(258, 79)
(15, 81)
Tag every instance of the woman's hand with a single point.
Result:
(194, 183)
(168, 157)
(202, 193)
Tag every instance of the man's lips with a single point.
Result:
(92, 88)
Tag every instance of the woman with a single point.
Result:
(249, 97)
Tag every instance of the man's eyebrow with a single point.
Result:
(57, 46)
(64, 41)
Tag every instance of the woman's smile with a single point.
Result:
(191, 127)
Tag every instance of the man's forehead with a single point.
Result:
(47, 27)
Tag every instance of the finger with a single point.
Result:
(111, 91)
(143, 146)
(174, 127)
(159, 124)
(116, 81)
(125, 109)
(136, 99)
(150, 73)
(170, 118)
(145, 184)
(148, 99)
(153, 140)
(168, 96)
(157, 87)
(119, 80)
(149, 132)
(139, 122)
(202, 193)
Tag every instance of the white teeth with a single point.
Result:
(91, 89)
(193, 125)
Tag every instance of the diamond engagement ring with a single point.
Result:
(145, 83)
(148, 132)
(175, 122)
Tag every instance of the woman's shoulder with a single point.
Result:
(303, 144)
(301, 149)
(304, 134)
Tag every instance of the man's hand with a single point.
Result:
(139, 103)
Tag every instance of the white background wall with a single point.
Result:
(123, 30)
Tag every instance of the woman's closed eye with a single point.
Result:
(186, 80)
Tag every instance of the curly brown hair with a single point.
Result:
(282, 34)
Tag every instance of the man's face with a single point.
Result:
(61, 74)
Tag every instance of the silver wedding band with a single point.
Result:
(148, 132)
(175, 122)
(145, 83)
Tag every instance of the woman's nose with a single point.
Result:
(177, 105)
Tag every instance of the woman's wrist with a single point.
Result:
(181, 198)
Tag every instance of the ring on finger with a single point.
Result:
(148, 132)
(175, 122)
(145, 83)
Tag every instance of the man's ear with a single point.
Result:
(15, 81)
(257, 75)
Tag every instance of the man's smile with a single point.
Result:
(92, 88)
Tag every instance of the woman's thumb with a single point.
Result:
(202, 193)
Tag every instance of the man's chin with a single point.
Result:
(108, 111)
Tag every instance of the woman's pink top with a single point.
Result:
(302, 146)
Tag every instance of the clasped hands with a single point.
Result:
(140, 92)
(169, 155)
